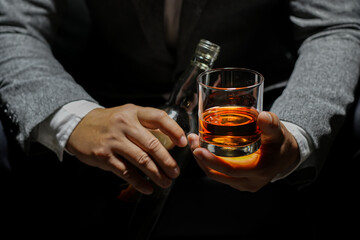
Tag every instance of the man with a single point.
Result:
(134, 51)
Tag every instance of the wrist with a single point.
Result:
(55, 131)
(301, 146)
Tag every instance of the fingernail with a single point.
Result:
(268, 115)
(183, 141)
(176, 172)
(193, 145)
(197, 155)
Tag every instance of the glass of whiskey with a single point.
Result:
(230, 100)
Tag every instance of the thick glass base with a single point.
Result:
(224, 151)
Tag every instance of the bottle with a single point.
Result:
(183, 99)
(181, 107)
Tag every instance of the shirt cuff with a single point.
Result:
(55, 131)
(305, 147)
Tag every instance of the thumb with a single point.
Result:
(269, 124)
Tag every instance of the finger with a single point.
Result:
(163, 138)
(233, 168)
(239, 183)
(140, 159)
(217, 176)
(245, 162)
(152, 146)
(270, 127)
(130, 175)
(208, 171)
(155, 118)
(193, 141)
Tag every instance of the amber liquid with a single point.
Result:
(230, 131)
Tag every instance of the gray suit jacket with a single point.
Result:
(123, 56)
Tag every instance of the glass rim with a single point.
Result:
(230, 69)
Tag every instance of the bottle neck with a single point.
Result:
(184, 94)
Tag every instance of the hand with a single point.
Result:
(278, 152)
(118, 140)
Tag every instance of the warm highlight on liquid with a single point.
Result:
(229, 126)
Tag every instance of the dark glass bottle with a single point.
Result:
(181, 107)
(183, 99)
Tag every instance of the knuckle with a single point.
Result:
(124, 116)
(119, 117)
(127, 174)
(153, 145)
(162, 114)
(170, 163)
(143, 160)
(101, 153)
(129, 105)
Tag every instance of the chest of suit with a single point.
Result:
(128, 51)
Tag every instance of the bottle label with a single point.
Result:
(163, 138)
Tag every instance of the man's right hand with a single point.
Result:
(118, 140)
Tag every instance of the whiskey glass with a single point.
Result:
(230, 100)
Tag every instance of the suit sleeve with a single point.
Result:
(33, 84)
(323, 83)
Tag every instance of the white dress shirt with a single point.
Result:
(55, 131)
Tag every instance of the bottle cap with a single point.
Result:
(206, 53)
(207, 49)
